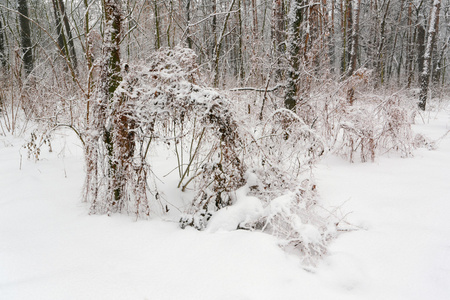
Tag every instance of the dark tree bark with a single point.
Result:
(381, 46)
(111, 77)
(420, 48)
(3, 56)
(294, 47)
(59, 30)
(157, 29)
(410, 46)
(25, 36)
(69, 41)
(347, 24)
(331, 38)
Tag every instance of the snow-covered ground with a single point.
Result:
(50, 248)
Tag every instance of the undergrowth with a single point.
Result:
(220, 139)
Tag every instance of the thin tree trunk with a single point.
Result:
(89, 58)
(331, 39)
(278, 37)
(157, 29)
(347, 25)
(188, 19)
(59, 31)
(397, 27)
(25, 36)
(3, 56)
(380, 51)
(219, 42)
(420, 50)
(354, 39)
(294, 46)
(240, 56)
(69, 41)
(431, 40)
(410, 47)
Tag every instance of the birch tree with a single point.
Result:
(431, 40)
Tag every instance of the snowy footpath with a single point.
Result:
(50, 248)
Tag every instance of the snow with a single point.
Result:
(50, 248)
(246, 209)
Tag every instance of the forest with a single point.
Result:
(241, 100)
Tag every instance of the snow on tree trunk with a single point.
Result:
(431, 39)
(3, 56)
(294, 41)
(25, 36)
(112, 180)
(354, 38)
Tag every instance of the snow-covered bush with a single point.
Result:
(282, 151)
(219, 154)
(241, 171)
(162, 103)
(374, 127)
(358, 122)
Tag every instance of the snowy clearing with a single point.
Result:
(50, 248)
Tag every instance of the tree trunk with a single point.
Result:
(431, 40)
(188, 19)
(294, 46)
(331, 39)
(70, 42)
(420, 49)
(109, 121)
(157, 29)
(219, 41)
(25, 36)
(3, 55)
(240, 56)
(354, 39)
(278, 35)
(381, 46)
(410, 47)
(347, 25)
(59, 31)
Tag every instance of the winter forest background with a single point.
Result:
(214, 114)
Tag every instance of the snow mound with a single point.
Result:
(245, 210)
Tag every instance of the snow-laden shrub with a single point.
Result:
(374, 126)
(160, 102)
(293, 217)
(281, 152)
(294, 220)
(217, 147)
(357, 122)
